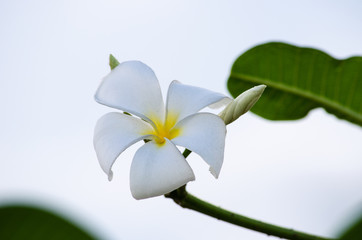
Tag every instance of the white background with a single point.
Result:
(304, 174)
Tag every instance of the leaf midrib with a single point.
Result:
(306, 94)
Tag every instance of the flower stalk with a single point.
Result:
(181, 197)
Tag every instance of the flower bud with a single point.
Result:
(243, 103)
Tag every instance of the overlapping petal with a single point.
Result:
(133, 87)
(114, 132)
(204, 134)
(184, 100)
(158, 169)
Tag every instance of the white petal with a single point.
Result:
(184, 100)
(204, 134)
(158, 169)
(114, 132)
(132, 87)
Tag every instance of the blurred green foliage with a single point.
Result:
(27, 222)
(354, 231)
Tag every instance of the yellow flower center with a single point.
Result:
(166, 129)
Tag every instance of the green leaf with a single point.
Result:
(25, 222)
(298, 80)
(353, 232)
(113, 62)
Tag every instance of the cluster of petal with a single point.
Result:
(158, 167)
(243, 103)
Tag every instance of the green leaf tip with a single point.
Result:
(299, 79)
(113, 62)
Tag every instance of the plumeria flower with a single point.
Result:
(158, 167)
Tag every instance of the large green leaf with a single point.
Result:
(24, 222)
(298, 80)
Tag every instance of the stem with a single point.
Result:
(181, 197)
(186, 153)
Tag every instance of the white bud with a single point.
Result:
(243, 103)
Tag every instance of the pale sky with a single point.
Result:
(304, 174)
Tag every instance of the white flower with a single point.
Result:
(158, 167)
